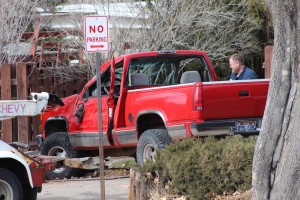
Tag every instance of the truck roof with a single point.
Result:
(154, 53)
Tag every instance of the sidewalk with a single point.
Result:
(87, 189)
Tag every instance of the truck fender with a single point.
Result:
(61, 125)
(149, 114)
(11, 155)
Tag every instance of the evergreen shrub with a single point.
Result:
(198, 168)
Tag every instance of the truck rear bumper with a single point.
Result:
(224, 127)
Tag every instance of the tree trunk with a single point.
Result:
(276, 165)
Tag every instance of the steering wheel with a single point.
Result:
(106, 87)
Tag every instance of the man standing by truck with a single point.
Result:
(239, 70)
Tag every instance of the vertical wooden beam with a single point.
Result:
(68, 88)
(48, 84)
(58, 56)
(268, 60)
(35, 85)
(22, 85)
(34, 82)
(36, 33)
(6, 94)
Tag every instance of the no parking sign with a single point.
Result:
(96, 33)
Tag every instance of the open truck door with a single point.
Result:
(111, 98)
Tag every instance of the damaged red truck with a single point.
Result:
(148, 100)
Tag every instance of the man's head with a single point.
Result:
(236, 62)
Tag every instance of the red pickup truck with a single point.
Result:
(148, 100)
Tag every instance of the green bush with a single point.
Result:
(197, 168)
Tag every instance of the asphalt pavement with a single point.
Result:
(116, 188)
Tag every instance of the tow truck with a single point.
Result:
(22, 174)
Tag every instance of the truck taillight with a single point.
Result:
(197, 97)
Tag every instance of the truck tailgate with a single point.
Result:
(234, 99)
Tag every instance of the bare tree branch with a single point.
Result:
(215, 26)
(15, 17)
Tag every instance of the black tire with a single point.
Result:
(10, 186)
(149, 142)
(29, 193)
(58, 144)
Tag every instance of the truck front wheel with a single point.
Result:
(58, 144)
(149, 142)
(10, 186)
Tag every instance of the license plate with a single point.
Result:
(247, 126)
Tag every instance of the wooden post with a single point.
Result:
(137, 188)
(33, 78)
(34, 83)
(268, 60)
(22, 93)
(6, 94)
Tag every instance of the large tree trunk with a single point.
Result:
(276, 167)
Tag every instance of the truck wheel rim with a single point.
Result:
(149, 152)
(6, 191)
(59, 152)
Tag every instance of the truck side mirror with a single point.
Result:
(79, 112)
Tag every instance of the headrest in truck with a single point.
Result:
(138, 79)
(190, 77)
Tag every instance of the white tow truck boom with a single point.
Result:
(14, 108)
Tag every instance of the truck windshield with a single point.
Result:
(167, 70)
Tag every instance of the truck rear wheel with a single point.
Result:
(149, 142)
(58, 144)
(10, 186)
